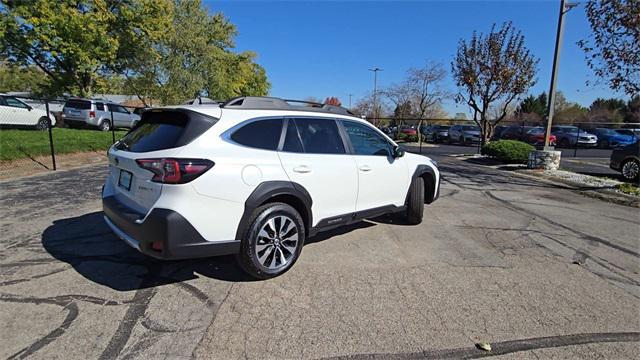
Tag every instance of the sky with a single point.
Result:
(325, 48)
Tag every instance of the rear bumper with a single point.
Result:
(163, 234)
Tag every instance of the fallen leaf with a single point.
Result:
(484, 346)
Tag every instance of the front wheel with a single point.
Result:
(415, 203)
(630, 170)
(273, 242)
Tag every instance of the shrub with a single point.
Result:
(401, 136)
(508, 151)
(411, 138)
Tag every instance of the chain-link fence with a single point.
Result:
(578, 137)
(34, 132)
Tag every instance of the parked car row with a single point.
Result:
(566, 136)
(86, 113)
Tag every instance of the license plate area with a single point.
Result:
(124, 179)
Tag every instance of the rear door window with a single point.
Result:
(99, 106)
(319, 136)
(261, 134)
(78, 104)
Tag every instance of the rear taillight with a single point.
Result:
(92, 114)
(175, 171)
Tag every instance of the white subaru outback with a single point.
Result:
(255, 177)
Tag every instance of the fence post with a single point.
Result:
(575, 147)
(53, 154)
(113, 128)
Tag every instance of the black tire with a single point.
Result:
(43, 124)
(564, 143)
(415, 203)
(604, 144)
(105, 125)
(249, 256)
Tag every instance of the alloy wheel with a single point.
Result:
(277, 242)
(630, 170)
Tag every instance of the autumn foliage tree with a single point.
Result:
(333, 101)
(490, 69)
(613, 49)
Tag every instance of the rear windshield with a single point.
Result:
(156, 131)
(165, 129)
(78, 104)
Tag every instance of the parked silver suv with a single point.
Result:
(97, 113)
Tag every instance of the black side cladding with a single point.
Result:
(166, 128)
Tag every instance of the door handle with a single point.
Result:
(365, 168)
(303, 169)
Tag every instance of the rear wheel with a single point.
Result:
(43, 124)
(630, 170)
(273, 242)
(105, 125)
(415, 204)
(564, 143)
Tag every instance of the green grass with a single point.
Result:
(18, 144)
(629, 188)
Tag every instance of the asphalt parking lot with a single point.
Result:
(536, 270)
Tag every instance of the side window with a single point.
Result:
(319, 136)
(122, 109)
(3, 101)
(261, 134)
(99, 106)
(15, 103)
(366, 141)
(292, 142)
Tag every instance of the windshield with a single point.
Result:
(608, 132)
(470, 128)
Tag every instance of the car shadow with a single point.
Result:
(87, 244)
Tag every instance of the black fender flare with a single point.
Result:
(431, 187)
(272, 189)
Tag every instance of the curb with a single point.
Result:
(597, 193)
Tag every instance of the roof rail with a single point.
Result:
(273, 103)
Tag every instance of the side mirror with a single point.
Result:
(398, 152)
(29, 108)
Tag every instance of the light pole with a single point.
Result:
(375, 93)
(350, 95)
(564, 8)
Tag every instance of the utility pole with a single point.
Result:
(564, 8)
(350, 95)
(375, 93)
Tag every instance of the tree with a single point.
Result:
(74, 43)
(332, 101)
(364, 107)
(573, 113)
(421, 90)
(613, 50)
(607, 110)
(533, 105)
(168, 50)
(493, 68)
(632, 111)
(20, 78)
